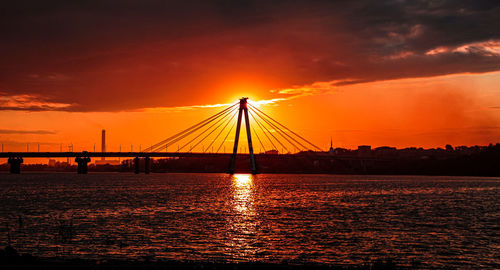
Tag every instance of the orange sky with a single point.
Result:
(383, 73)
(423, 112)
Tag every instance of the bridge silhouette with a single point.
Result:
(190, 139)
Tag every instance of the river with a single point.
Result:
(427, 221)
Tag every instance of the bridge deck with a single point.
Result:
(315, 155)
(118, 154)
(106, 154)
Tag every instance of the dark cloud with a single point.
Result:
(118, 55)
(36, 108)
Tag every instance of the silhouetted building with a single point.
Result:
(52, 163)
(107, 162)
(385, 151)
(272, 152)
(103, 143)
(103, 160)
(331, 151)
(341, 151)
(364, 150)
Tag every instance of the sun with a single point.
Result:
(252, 99)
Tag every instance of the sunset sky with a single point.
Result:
(397, 73)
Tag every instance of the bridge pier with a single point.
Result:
(82, 164)
(15, 164)
(136, 165)
(147, 165)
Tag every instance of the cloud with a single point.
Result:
(29, 102)
(487, 48)
(14, 131)
(311, 89)
(186, 108)
(218, 105)
(269, 101)
(173, 53)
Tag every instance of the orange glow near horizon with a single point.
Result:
(422, 112)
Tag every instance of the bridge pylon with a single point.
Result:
(243, 109)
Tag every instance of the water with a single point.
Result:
(439, 221)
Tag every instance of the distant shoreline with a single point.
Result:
(458, 161)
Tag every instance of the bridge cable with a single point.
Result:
(281, 132)
(255, 132)
(186, 130)
(216, 137)
(196, 128)
(210, 133)
(157, 145)
(282, 145)
(205, 131)
(223, 141)
(190, 132)
(286, 128)
(278, 131)
(263, 131)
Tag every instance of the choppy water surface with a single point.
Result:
(439, 221)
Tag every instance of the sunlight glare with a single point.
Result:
(243, 198)
(242, 180)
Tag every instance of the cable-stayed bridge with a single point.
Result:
(214, 132)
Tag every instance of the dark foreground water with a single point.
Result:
(439, 221)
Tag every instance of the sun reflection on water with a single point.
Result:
(243, 197)
(243, 221)
(242, 179)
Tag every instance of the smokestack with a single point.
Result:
(103, 143)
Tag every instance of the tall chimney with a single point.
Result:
(103, 143)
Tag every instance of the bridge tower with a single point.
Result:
(243, 109)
